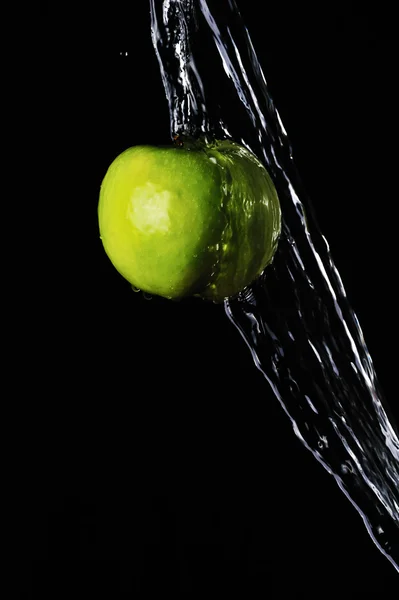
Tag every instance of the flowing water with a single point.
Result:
(296, 320)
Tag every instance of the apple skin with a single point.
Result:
(197, 219)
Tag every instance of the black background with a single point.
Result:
(153, 456)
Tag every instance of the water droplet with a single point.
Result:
(135, 289)
(147, 296)
(322, 442)
(312, 406)
(347, 467)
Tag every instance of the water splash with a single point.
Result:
(296, 320)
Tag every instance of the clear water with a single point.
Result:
(296, 320)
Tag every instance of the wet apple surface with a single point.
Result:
(196, 219)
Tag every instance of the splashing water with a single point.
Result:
(296, 320)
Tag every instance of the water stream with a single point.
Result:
(296, 320)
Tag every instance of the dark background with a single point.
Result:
(151, 455)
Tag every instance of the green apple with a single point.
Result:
(196, 219)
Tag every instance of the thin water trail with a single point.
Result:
(296, 320)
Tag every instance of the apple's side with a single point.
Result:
(253, 217)
(161, 220)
